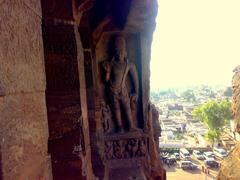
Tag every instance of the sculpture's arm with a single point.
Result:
(134, 74)
(107, 67)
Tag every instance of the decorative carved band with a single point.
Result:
(126, 148)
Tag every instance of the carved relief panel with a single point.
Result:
(119, 81)
(126, 148)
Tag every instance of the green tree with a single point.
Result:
(215, 115)
(225, 109)
(189, 96)
(211, 136)
(178, 135)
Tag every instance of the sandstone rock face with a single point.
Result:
(236, 98)
(21, 50)
(231, 164)
(23, 119)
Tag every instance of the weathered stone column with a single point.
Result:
(23, 116)
(87, 167)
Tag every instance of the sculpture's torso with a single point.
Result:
(118, 76)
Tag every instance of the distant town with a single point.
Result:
(179, 127)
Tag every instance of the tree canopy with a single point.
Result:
(215, 115)
(189, 96)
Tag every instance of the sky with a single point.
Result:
(195, 42)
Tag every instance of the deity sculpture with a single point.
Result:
(142, 150)
(108, 150)
(117, 71)
(106, 118)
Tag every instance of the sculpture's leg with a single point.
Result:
(117, 113)
(119, 120)
(128, 111)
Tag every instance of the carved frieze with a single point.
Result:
(116, 147)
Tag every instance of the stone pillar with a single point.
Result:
(23, 116)
(84, 109)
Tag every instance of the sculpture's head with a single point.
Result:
(120, 48)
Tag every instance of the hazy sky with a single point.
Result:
(195, 42)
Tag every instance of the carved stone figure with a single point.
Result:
(106, 118)
(108, 150)
(134, 148)
(126, 148)
(142, 150)
(156, 166)
(123, 149)
(117, 71)
(155, 125)
(117, 150)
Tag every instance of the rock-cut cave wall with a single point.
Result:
(52, 93)
(23, 115)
